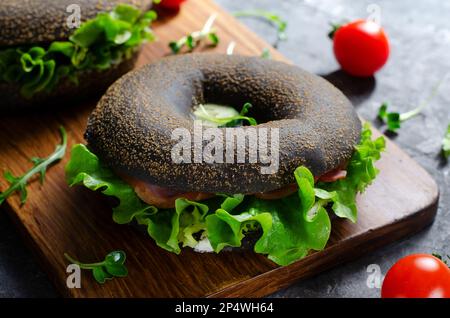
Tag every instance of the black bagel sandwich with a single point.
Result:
(321, 159)
(57, 50)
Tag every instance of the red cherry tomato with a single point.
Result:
(171, 4)
(417, 276)
(361, 47)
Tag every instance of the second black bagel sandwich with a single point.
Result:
(159, 141)
(59, 50)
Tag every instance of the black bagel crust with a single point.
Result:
(91, 83)
(43, 21)
(130, 129)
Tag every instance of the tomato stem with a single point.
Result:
(334, 28)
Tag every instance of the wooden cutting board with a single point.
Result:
(58, 219)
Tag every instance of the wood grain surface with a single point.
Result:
(58, 219)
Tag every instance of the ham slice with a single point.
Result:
(278, 193)
(161, 197)
(164, 198)
(331, 176)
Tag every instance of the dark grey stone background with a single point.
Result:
(420, 56)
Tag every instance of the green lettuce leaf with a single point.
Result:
(85, 168)
(98, 44)
(165, 227)
(361, 171)
(170, 227)
(290, 227)
(286, 229)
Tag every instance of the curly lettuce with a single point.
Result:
(98, 44)
(361, 171)
(288, 228)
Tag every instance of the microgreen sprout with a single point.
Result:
(393, 120)
(231, 47)
(191, 41)
(230, 121)
(446, 143)
(270, 17)
(40, 165)
(266, 54)
(112, 266)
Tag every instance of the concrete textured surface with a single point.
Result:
(420, 41)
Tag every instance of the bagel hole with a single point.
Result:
(216, 115)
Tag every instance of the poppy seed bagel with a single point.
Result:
(43, 21)
(91, 84)
(130, 129)
(27, 23)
